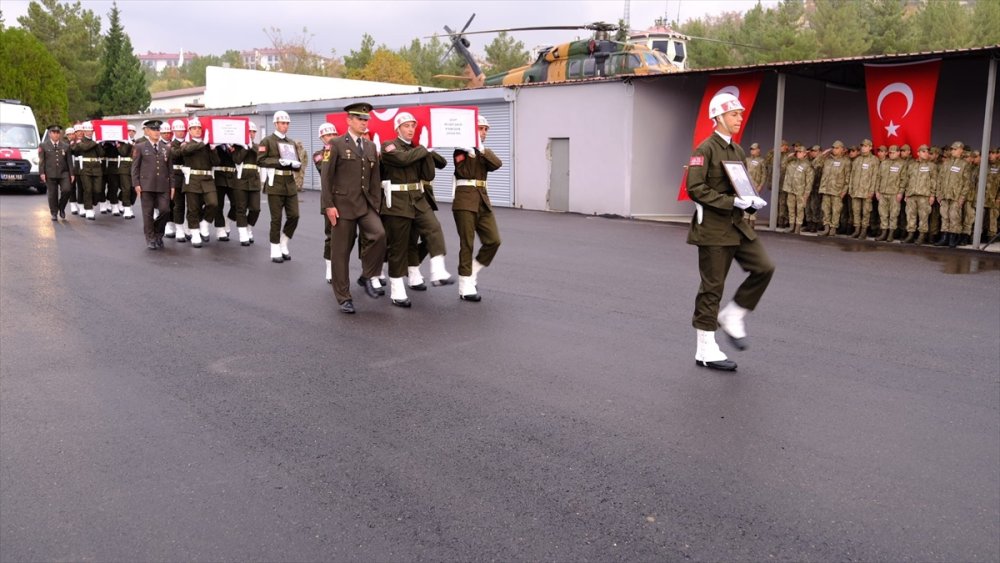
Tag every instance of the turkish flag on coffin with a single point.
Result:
(901, 102)
(745, 87)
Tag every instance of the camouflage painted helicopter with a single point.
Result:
(588, 58)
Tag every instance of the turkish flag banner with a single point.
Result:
(451, 121)
(901, 102)
(745, 87)
(110, 130)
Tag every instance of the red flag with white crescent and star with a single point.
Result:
(745, 87)
(901, 102)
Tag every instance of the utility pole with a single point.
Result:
(627, 17)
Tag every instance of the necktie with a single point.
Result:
(361, 149)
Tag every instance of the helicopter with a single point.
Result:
(587, 58)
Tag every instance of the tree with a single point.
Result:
(359, 59)
(31, 74)
(840, 29)
(233, 58)
(986, 23)
(386, 66)
(942, 24)
(172, 78)
(622, 34)
(194, 70)
(73, 36)
(294, 54)
(122, 87)
(889, 27)
(428, 59)
(505, 53)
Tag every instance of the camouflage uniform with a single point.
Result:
(757, 170)
(814, 205)
(921, 186)
(973, 199)
(864, 176)
(833, 187)
(992, 203)
(954, 185)
(891, 183)
(798, 183)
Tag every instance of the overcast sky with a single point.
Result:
(214, 26)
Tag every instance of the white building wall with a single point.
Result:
(596, 118)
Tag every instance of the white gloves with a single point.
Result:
(284, 162)
(758, 202)
(743, 203)
(471, 151)
(297, 165)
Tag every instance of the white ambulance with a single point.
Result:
(18, 147)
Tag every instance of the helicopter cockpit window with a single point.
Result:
(661, 46)
(651, 60)
(633, 62)
(678, 52)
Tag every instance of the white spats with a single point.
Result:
(221, 234)
(397, 289)
(414, 276)
(708, 349)
(438, 271)
(203, 227)
(284, 246)
(731, 321)
(476, 267)
(196, 239)
(169, 231)
(244, 236)
(276, 253)
(127, 213)
(329, 271)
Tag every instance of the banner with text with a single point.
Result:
(437, 126)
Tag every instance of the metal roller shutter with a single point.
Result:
(499, 141)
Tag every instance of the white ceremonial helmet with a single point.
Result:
(401, 118)
(327, 129)
(253, 126)
(482, 121)
(131, 127)
(194, 122)
(87, 126)
(70, 130)
(282, 117)
(722, 103)
(178, 125)
(165, 127)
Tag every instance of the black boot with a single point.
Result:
(910, 237)
(953, 239)
(920, 239)
(942, 240)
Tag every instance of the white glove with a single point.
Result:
(295, 165)
(743, 203)
(206, 137)
(284, 162)
(758, 202)
(471, 151)
(430, 149)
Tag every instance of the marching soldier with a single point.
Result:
(278, 155)
(864, 176)
(153, 181)
(54, 166)
(798, 183)
(89, 155)
(418, 248)
(473, 212)
(954, 185)
(124, 171)
(245, 208)
(833, 186)
(721, 234)
(992, 203)
(75, 194)
(225, 181)
(921, 191)
(326, 134)
(758, 174)
(177, 202)
(351, 200)
(405, 207)
(199, 185)
(891, 183)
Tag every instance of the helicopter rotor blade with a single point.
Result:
(467, 24)
(757, 47)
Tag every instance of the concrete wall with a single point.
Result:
(597, 119)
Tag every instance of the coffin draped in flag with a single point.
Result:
(901, 102)
(745, 87)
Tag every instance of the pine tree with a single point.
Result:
(840, 28)
(122, 87)
(889, 27)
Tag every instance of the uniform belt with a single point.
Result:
(201, 172)
(471, 183)
(223, 169)
(283, 172)
(249, 166)
(416, 186)
(178, 167)
(125, 159)
(90, 159)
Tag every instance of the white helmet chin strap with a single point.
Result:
(720, 121)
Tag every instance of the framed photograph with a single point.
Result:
(739, 177)
(286, 151)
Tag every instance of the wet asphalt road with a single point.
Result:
(208, 405)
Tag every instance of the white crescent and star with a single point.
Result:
(894, 88)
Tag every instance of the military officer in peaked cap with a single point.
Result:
(153, 182)
(351, 199)
(54, 165)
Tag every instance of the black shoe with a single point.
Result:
(62, 213)
(738, 343)
(419, 287)
(277, 260)
(724, 365)
(475, 298)
(404, 303)
(347, 307)
(223, 238)
(285, 256)
(446, 281)
(373, 291)
(151, 245)
(159, 242)
(55, 217)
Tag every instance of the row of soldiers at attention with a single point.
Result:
(386, 195)
(923, 198)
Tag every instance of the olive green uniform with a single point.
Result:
(177, 202)
(798, 183)
(225, 181)
(282, 194)
(125, 174)
(405, 206)
(428, 171)
(112, 186)
(89, 153)
(722, 234)
(54, 162)
(864, 179)
(199, 190)
(245, 208)
(954, 187)
(472, 208)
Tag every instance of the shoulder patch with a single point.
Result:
(390, 147)
(262, 148)
(459, 157)
(697, 160)
(318, 156)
